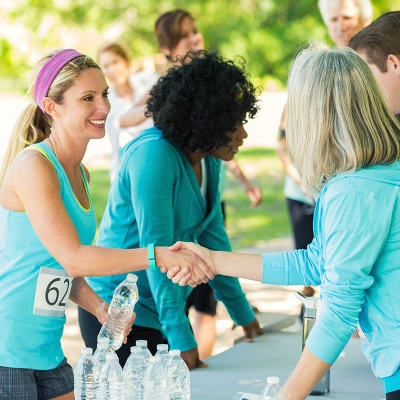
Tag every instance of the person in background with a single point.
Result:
(47, 225)
(379, 45)
(344, 18)
(300, 204)
(345, 142)
(177, 34)
(198, 110)
(127, 92)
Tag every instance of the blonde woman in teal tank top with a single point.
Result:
(47, 226)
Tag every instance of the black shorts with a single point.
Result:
(202, 299)
(32, 384)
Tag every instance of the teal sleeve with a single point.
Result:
(354, 228)
(152, 185)
(297, 267)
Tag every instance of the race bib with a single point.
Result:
(52, 292)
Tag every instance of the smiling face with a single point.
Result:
(115, 68)
(228, 151)
(190, 39)
(85, 106)
(344, 21)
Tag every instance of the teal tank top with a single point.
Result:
(34, 287)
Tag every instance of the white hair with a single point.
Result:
(365, 7)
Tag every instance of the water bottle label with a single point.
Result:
(52, 292)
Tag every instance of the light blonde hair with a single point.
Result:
(337, 118)
(364, 6)
(33, 126)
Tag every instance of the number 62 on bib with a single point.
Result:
(52, 292)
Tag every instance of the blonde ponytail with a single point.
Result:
(32, 126)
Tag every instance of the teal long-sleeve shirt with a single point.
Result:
(155, 198)
(355, 257)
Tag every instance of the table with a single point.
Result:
(246, 366)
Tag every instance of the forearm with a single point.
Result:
(248, 266)
(84, 296)
(238, 174)
(133, 117)
(100, 261)
(308, 372)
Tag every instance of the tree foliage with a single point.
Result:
(266, 33)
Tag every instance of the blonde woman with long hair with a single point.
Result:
(345, 142)
(47, 225)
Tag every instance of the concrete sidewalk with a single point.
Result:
(267, 298)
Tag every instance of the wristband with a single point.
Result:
(152, 257)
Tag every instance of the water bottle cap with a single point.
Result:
(104, 339)
(102, 345)
(136, 349)
(273, 380)
(174, 352)
(162, 347)
(132, 278)
(155, 359)
(87, 351)
(111, 356)
(141, 343)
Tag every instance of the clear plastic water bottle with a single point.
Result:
(162, 351)
(100, 354)
(178, 376)
(272, 391)
(155, 381)
(86, 376)
(146, 352)
(134, 370)
(111, 379)
(120, 310)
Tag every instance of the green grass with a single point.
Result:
(246, 226)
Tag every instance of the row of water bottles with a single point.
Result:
(163, 377)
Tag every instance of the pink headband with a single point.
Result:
(49, 71)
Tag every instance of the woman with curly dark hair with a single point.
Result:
(167, 189)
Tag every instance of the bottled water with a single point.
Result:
(155, 381)
(146, 352)
(272, 391)
(100, 353)
(134, 370)
(162, 351)
(86, 377)
(105, 340)
(111, 379)
(120, 310)
(178, 376)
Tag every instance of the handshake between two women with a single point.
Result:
(212, 263)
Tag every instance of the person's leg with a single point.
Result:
(204, 328)
(301, 217)
(205, 333)
(393, 395)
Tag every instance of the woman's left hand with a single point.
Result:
(102, 316)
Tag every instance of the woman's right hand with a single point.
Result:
(184, 263)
